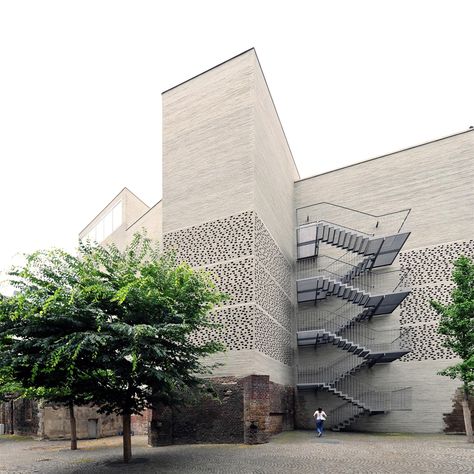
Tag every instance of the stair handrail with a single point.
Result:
(345, 227)
(347, 320)
(366, 393)
(320, 271)
(328, 375)
(375, 216)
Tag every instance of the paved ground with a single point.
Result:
(292, 452)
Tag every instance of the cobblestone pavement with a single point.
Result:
(292, 452)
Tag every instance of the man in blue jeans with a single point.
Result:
(320, 417)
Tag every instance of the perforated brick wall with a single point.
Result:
(246, 264)
(428, 272)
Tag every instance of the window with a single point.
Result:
(108, 224)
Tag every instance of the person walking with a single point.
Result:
(320, 417)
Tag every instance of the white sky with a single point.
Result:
(81, 83)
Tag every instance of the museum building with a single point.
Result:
(329, 276)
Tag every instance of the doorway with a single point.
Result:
(92, 428)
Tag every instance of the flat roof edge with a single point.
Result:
(144, 214)
(387, 154)
(268, 89)
(207, 70)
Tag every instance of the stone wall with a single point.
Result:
(217, 420)
(51, 421)
(90, 424)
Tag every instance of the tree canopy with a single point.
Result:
(109, 327)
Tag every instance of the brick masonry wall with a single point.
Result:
(282, 408)
(25, 417)
(248, 409)
(454, 420)
(140, 423)
(256, 409)
(212, 420)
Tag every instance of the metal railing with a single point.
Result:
(328, 375)
(341, 325)
(365, 395)
(353, 219)
(338, 377)
(331, 321)
(339, 269)
(401, 399)
(343, 414)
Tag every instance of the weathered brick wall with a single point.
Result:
(25, 417)
(217, 421)
(454, 421)
(282, 408)
(140, 423)
(246, 410)
(256, 409)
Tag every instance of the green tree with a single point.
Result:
(149, 309)
(119, 327)
(46, 333)
(457, 325)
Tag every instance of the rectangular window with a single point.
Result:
(110, 222)
(117, 216)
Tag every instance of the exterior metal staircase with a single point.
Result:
(382, 250)
(384, 352)
(344, 415)
(338, 379)
(316, 289)
(348, 332)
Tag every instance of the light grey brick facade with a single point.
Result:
(232, 203)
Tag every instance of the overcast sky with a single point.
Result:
(81, 83)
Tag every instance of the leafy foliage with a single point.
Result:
(110, 327)
(42, 328)
(8, 387)
(148, 307)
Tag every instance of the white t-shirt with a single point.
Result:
(320, 415)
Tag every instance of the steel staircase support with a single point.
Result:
(338, 378)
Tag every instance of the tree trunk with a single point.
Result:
(72, 419)
(12, 417)
(467, 416)
(127, 437)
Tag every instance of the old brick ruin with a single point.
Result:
(247, 410)
(50, 421)
(20, 417)
(454, 420)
